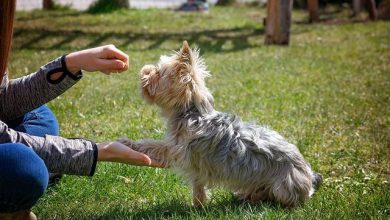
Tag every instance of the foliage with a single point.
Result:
(106, 6)
(225, 2)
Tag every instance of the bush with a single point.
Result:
(225, 2)
(106, 6)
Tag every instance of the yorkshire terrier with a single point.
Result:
(210, 148)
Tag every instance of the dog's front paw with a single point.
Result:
(126, 141)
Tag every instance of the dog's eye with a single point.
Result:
(157, 72)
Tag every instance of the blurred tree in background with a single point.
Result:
(106, 6)
(225, 2)
(48, 4)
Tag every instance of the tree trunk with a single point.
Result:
(384, 10)
(124, 3)
(312, 6)
(48, 4)
(371, 7)
(357, 7)
(278, 22)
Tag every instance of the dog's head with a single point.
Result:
(177, 82)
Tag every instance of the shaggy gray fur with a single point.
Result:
(210, 148)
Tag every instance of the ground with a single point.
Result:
(328, 92)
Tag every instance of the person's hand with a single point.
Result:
(117, 152)
(107, 59)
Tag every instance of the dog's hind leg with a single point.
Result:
(253, 196)
(199, 195)
(260, 194)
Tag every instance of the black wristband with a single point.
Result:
(75, 76)
(64, 72)
(95, 156)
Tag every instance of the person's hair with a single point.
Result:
(7, 14)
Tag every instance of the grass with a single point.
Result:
(328, 92)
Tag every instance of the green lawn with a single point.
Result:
(328, 92)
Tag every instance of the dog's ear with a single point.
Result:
(204, 101)
(185, 54)
(194, 68)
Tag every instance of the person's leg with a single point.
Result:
(23, 179)
(39, 122)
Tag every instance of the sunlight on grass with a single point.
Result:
(328, 92)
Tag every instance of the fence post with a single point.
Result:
(357, 6)
(48, 4)
(312, 6)
(278, 22)
(371, 7)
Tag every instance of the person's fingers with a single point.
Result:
(110, 65)
(121, 69)
(142, 159)
(114, 53)
(138, 158)
(118, 54)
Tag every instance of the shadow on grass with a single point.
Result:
(333, 21)
(213, 40)
(53, 15)
(180, 210)
(335, 15)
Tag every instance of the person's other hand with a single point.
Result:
(118, 152)
(107, 59)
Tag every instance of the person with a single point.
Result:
(30, 147)
(194, 5)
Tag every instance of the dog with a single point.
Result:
(210, 148)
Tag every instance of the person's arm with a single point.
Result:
(75, 156)
(115, 151)
(29, 92)
(61, 155)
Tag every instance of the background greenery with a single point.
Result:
(328, 92)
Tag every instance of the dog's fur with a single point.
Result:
(211, 148)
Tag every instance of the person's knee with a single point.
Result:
(39, 122)
(51, 122)
(24, 177)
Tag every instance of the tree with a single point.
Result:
(278, 22)
(48, 4)
(371, 7)
(225, 2)
(357, 6)
(312, 6)
(124, 3)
